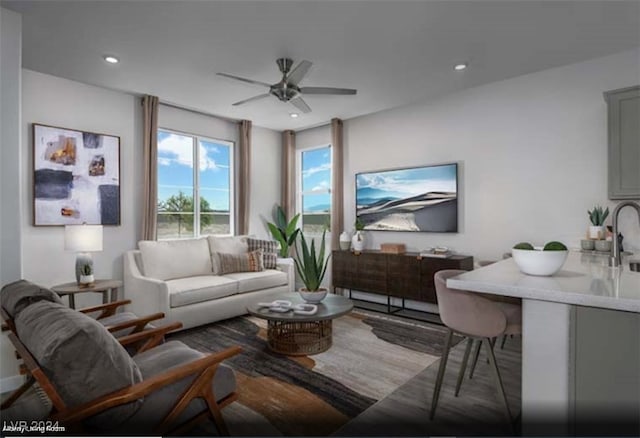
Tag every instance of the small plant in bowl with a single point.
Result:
(542, 262)
(311, 269)
(86, 275)
(597, 216)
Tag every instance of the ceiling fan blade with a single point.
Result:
(327, 90)
(238, 78)
(260, 96)
(300, 104)
(299, 72)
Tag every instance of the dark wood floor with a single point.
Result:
(476, 411)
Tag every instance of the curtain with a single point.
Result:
(150, 167)
(288, 198)
(337, 187)
(244, 177)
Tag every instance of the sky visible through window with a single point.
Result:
(175, 169)
(316, 177)
(316, 183)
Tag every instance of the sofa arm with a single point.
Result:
(287, 266)
(147, 295)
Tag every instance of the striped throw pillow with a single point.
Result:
(269, 249)
(249, 262)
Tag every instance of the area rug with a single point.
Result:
(372, 355)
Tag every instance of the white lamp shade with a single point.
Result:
(83, 238)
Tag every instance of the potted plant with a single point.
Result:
(86, 275)
(357, 242)
(597, 217)
(311, 269)
(285, 232)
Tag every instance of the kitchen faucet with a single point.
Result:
(614, 260)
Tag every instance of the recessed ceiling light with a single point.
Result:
(111, 59)
(294, 115)
(460, 67)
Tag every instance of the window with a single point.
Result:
(180, 182)
(315, 189)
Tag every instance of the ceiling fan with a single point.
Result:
(288, 89)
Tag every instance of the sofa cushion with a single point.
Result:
(184, 291)
(169, 259)
(250, 281)
(228, 245)
(247, 262)
(22, 293)
(157, 404)
(79, 356)
(269, 251)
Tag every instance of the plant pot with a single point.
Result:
(313, 297)
(345, 241)
(357, 241)
(86, 279)
(596, 232)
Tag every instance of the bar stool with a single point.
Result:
(476, 318)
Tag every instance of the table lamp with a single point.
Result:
(83, 239)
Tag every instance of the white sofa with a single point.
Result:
(179, 278)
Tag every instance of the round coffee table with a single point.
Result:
(301, 335)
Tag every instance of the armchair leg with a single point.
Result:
(443, 365)
(18, 392)
(200, 388)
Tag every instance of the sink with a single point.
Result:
(634, 265)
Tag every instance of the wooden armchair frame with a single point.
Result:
(201, 387)
(152, 337)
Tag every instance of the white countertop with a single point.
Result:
(584, 280)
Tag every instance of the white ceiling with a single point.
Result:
(393, 52)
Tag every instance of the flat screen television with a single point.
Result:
(410, 199)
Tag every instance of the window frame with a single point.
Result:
(299, 192)
(196, 138)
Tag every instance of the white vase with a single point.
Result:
(86, 279)
(357, 241)
(596, 232)
(345, 241)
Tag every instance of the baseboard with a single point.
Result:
(11, 383)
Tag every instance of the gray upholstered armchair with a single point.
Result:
(95, 386)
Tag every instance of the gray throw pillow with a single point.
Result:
(80, 357)
(249, 262)
(269, 251)
(22, 293)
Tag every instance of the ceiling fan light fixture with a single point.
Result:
(111, 59)
(461, 66)
(294, 115)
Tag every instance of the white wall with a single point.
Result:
(60, 102)
(10, 169)
(266, 159)
(532, 152)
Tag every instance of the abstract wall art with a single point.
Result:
(76, 177)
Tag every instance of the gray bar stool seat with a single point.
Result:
(477, 318)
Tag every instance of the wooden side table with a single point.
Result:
(105, 287)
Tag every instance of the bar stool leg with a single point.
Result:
(496, 372)
(476, 354)
(463, 365)
(443, 365)
(504, 339)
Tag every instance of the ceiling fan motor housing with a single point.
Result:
(285, 92)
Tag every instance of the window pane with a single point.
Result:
(315, 213)
(175, 185)
(215, 187)
(316, 169)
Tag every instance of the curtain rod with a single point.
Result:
(196, 111)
